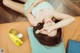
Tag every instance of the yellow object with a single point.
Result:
(13, 36)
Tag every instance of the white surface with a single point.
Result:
(20, 35)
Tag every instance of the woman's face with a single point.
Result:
(48, 24)
(45, 16)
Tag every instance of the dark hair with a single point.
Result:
(45, 39)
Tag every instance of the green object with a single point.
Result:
(14, 38)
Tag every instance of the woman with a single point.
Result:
(48, 26)
(47, 30)
(43, 17)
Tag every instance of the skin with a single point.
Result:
(68, 31)
(14, 5)
(18, 6)
(4, 27)
(46, 31)
(43, 14)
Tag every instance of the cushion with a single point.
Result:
(73, 46)
(39, 48)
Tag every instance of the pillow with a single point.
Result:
(73, 46)
(39, 48)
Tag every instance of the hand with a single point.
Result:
(47, 29)
(43, 30)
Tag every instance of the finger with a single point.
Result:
(38, 31)
(43, 29)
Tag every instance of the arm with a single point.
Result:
(31, 19)
(65, 20)
(34, 4)
(14, 5)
